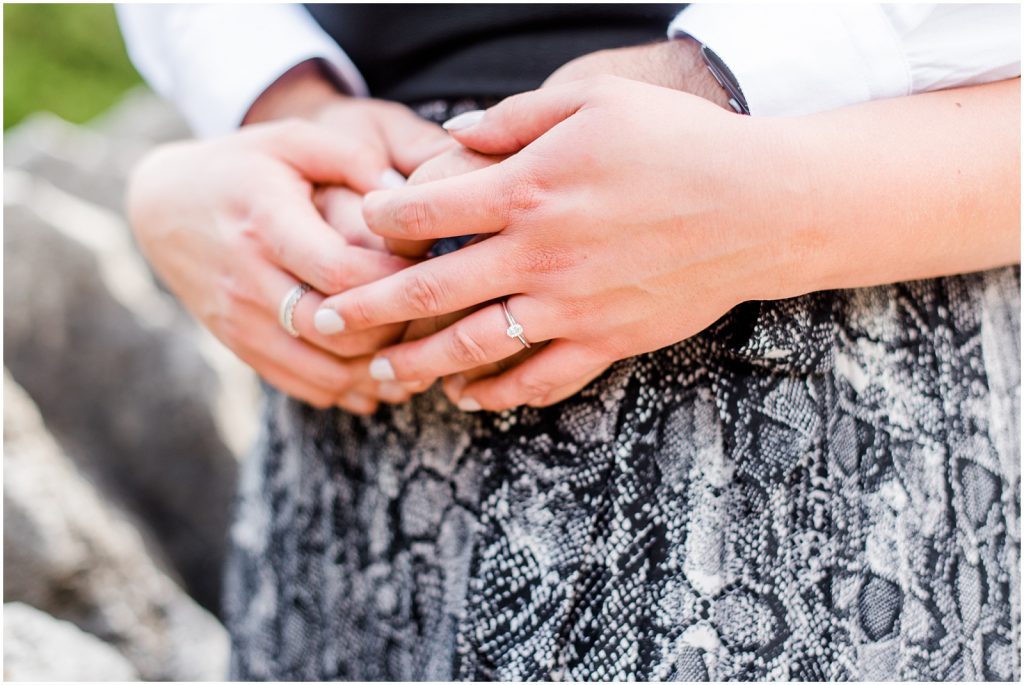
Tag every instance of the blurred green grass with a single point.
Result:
(68, 59)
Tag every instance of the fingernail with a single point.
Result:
(328, 322)
(381, 370)
(392, 179)
(469, 404)
(389, 391)
(456, 384)
(463, 121)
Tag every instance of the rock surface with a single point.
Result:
(148, 405)
(38, 647)
(75, 556)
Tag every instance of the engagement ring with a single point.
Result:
(515, 329)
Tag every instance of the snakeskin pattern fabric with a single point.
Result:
(823, 488)
(836, 498)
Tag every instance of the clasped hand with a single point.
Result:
(610, 229)
(607, 213)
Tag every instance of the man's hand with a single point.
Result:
(674, 64)
(393, 130)
(232, 224)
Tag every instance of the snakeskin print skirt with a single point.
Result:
(823, 488)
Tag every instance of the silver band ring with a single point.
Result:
(286, 312)
(515, 329)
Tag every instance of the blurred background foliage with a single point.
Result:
(68, 59)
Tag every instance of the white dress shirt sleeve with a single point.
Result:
(213, 61)
(797, 59)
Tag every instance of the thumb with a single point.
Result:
(327, 157)
(517, 121)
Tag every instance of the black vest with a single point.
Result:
(419, 52)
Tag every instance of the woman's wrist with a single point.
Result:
(905, 189)
(769, 202)
(796, 211)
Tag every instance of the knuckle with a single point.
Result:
(530, 387)
(253, 225)
(333, 275)
(524, 195)
(256, 224)
(357, 314)
(546, 259)
(425, 294)
(465, 349)
(237, 292)
(413, 217)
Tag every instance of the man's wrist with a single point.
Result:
(692, 71)
(675, 64)
(300, 92)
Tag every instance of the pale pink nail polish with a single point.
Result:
(381, 370)
(469, 404)
(328, 322)
(464, 120)
(392, 179)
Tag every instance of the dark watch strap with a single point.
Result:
(725, 78)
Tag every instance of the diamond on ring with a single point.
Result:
(515, 329)
(286, 312)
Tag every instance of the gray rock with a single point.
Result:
(93, 162)
(141, 398)
(78, 160)
(38, 647)
(75, 556)
(142, 117)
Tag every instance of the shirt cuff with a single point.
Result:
(791, 60)
(229, 57)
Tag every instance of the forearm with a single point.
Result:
(902, 189)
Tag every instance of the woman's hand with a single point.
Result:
(458, 161)
(604, 254)
(673, 64)
(635, 216)
(230, 225)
